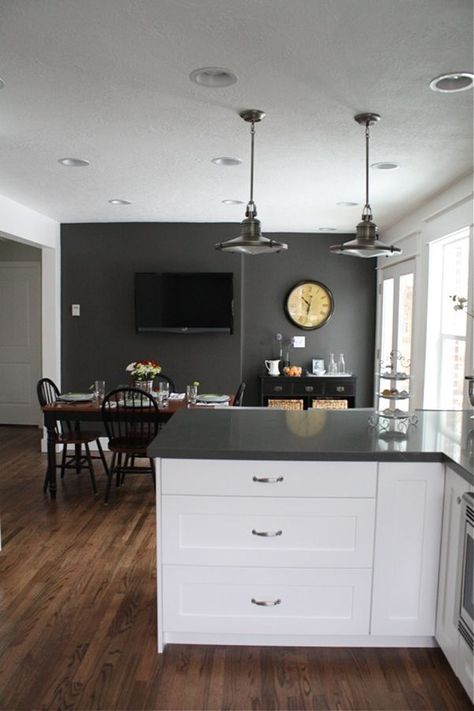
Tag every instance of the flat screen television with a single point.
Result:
(185, 302)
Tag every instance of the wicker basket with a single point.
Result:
(322, 404)
(286, 404)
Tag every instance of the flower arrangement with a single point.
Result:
(460, 304)
(142, 370)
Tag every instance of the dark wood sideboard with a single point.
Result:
(325, 390)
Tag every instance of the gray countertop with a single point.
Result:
(262, 433)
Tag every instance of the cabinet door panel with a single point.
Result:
(208, 599)
(271, 532)
(447, 633)
(408, 532)
(217, 477)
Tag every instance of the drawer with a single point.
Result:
(313, 387)
(272, 532)
(230, 477)
(339, 387)
(224, 600)
(279, 387)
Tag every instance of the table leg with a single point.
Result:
(51, 459)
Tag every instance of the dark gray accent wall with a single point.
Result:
(98, 266)
(351, 328)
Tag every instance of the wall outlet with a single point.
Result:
(76, 309)
(299, 341)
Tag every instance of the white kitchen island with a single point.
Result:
(300, 528)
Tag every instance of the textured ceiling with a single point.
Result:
(108, 81)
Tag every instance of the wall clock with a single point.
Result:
(309, 304)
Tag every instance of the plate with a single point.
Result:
(212, 398)
(75, 397)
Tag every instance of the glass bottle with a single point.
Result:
(332, 368)
(341, 364)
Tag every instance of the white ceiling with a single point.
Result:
(108, 81)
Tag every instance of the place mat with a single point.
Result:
(75, 397)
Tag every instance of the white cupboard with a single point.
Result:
(313, 552)
(455, 648)
(408, 534)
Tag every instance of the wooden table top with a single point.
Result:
(90, 407)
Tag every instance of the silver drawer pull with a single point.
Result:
(277, 388)
(308, 388)
(340, 389)
(267, 479)
(267, 534)
(266, 603)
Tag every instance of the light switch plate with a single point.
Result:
(76, 309)
(299, 341)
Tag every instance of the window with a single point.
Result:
(446, 335)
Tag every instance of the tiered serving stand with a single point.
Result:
(393, 379)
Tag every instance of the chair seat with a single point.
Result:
(80, 437)
(130, 445)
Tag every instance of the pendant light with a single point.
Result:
(251, 240)
(366, 243)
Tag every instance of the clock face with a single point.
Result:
(309, 304)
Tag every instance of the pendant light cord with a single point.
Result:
(367, 208)
(251, 209)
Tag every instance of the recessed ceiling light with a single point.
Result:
(226, 160)
(385, 165)
(233, 202)
(118, 201)
(346, 203)
(452, 82)
(327, 229)
(73, 162)
(213, 77)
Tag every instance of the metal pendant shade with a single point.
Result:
(366, 243)
(250, 240)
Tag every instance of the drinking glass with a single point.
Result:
(99, 390)
(191, 394)
(163, 393)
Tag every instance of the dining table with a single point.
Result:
(91, 411)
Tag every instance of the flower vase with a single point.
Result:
(146, 385)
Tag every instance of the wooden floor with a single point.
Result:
(77, 618)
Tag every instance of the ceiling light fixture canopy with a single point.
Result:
(251, 240)
(366, 243)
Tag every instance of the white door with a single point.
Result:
(396, 331)
(20, 342)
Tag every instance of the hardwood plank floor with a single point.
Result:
(77, 618)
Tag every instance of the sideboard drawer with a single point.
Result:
(278, 387)
(230, 477)
(339, 387)
(213, 530)
(292, 601)
(305, 387)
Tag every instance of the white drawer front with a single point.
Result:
(331, 533)
(220, 477)
(200, 599)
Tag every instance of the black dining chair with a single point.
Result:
(239, 395)
(68, 435)
(131, 420)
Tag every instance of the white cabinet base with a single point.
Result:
(279, 640)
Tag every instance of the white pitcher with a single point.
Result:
(273, 366)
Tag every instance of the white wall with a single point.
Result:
(21, 224)
(445, 213)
